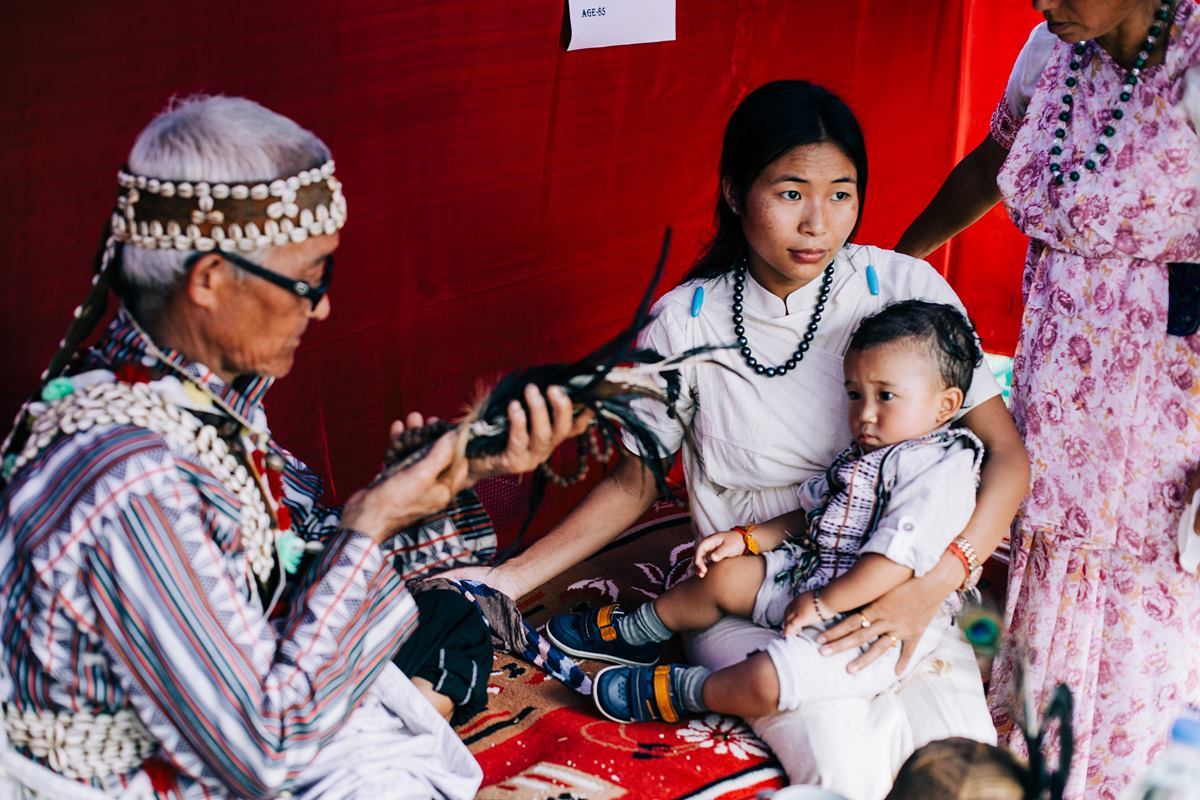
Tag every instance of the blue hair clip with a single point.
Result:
(872, 279)
(697, 300)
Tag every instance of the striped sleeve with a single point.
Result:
(230, 696)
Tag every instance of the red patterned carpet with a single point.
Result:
(539, 739)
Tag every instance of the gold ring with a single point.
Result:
(866, 623)
(895, 642)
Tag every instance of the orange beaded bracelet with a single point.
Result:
(751, 543)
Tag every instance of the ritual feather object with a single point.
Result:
(607, 381)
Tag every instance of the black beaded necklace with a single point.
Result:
(1156, 28)
(739, 327)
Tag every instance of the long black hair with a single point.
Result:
(771, 121)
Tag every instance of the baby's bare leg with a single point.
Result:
(749, 688)
(730, 587)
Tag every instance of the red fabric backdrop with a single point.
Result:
(506, 196)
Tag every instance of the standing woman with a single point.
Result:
(781, 278)
(1094, 149)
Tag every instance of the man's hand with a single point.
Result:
(717, 547)
(533, 437)
(408, 494)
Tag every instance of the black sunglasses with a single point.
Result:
(312, 294)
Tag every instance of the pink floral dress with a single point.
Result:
(1109, 406)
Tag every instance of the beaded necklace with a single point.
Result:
(1116, 114)
(739, 328)
(265, 467)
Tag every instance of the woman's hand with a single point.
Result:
(533, 437)
(717, 547)
(408, 494)
(801, 613)
(904, 613)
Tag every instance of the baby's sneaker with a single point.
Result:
(594, 634)
(639, 694)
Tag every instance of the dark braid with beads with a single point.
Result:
(87, 316)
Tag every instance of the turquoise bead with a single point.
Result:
(57, 389)
(290, 548)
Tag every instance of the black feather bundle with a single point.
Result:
(607, 381)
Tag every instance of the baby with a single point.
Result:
(884, 510)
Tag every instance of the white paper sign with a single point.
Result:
(603, 23)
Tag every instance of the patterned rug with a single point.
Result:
(540, 740)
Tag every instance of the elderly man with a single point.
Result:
(179, 616)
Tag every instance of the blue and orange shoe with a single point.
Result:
(594, 634)
(639, 694)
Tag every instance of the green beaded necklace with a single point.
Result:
(1156, 28)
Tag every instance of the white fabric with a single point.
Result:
(854, 746)
(1027, 69)
(930, 504)
(756, 439)
(807, 678)
(393, 745)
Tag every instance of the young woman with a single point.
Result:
(781, 278)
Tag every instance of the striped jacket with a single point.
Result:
(121, 587)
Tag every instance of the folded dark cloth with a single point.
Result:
(510, 632)
(452, 649)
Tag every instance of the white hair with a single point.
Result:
(215, 139)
